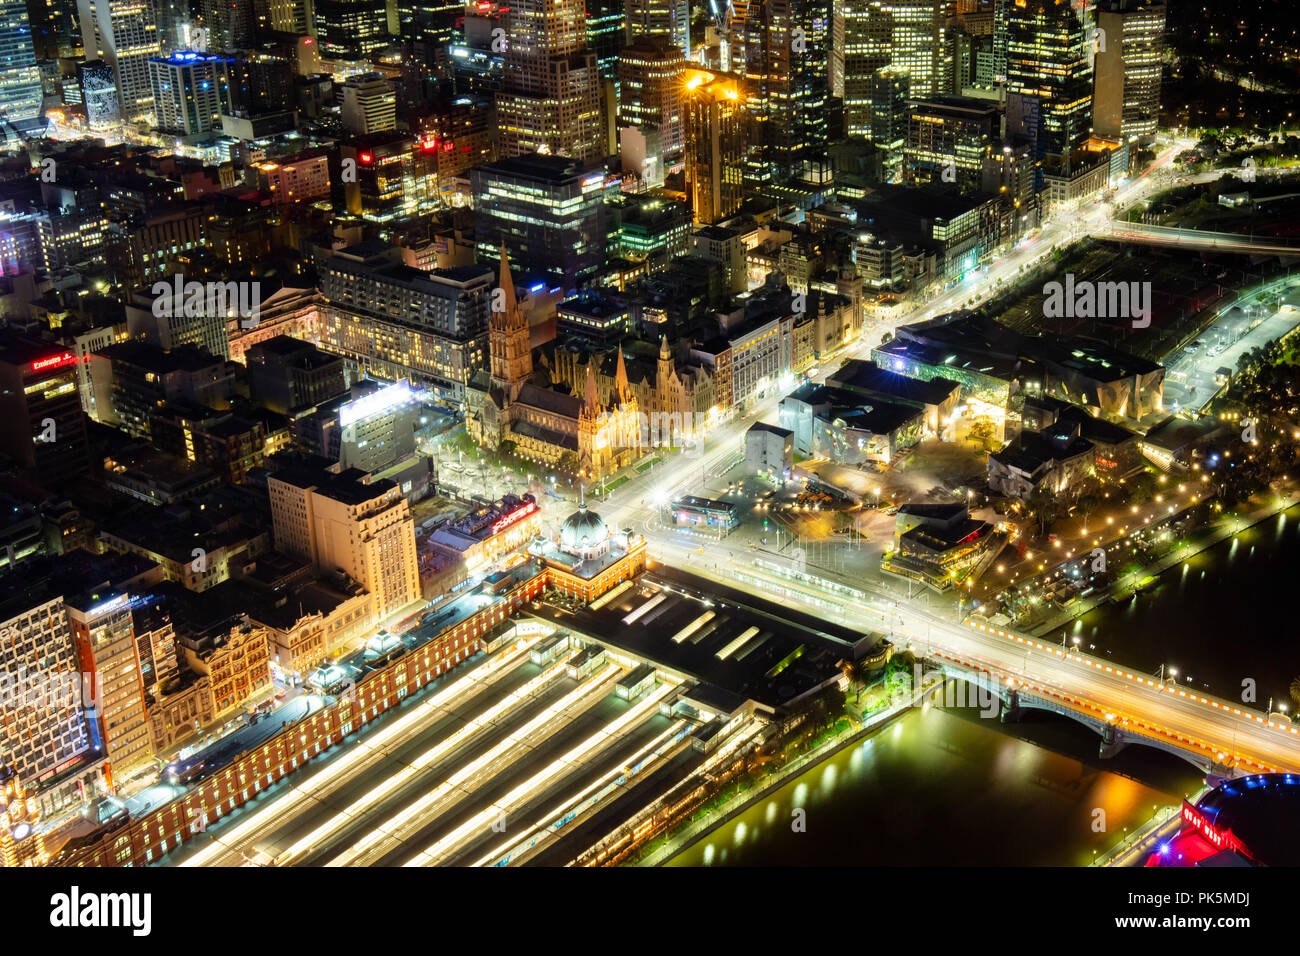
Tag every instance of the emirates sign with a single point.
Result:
(54, 361)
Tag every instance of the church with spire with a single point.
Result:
(551, 426)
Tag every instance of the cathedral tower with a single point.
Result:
(508, 336)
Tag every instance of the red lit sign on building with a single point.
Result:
(429, 145)
(507, 520)
(54, 361)
(366, 158)
(1221, 839)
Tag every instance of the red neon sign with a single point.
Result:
(429, 145)
(366, 158)
(507, 520)
(54, 361)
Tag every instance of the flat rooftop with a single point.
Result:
(742, 645)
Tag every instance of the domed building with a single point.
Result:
(584, 534)
(586, 559)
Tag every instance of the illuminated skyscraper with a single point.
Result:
(887, 100)
(433, 21)
(124, 34)
(662, 18)
(606, 34)
(1126, 98)
(718, 132)
(921, 44)
(784, 46)
(20, 78)
(550, 102)
(54, 27)
(907, 35)
(548, 211)
(231, 24)
(351, 29)
(191, 91)
(650, 93)
(1049, 77)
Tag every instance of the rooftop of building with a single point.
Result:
(1094, 429)
(946, 535)
(971, 105)
(347, 487)
(539, 166)
(161, 361)
(773, 429)
(719, 636)
(480, 524)
(866, 376)
(880, 417)
(1031, 451)
(974, 341)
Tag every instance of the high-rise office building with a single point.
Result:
(124, 34)
(949, 139)
(190, 92)
(429, 21)
(369, 104)
(53, 25)
(921, 44)
(1126, 95)
(99, 95)
(550, 101)
(104, 635)
(1049, 77)
(20, 78)
(911, 36)
(887, 101)
(344, 523)
(717, 139)
(650, 93)
(659, 18)
(393, 321)
(784, 46)
(548, 211)
(44, 427)
(351, 29)
(606, 34)
(52, 732)
(283, 16)
(865, 38)
(231, 24)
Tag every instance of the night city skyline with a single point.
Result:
(590, 433)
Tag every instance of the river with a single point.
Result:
(941, 787)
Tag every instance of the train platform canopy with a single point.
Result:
(740, 649)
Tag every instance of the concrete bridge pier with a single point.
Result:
(1011, 709)
(1111, 742)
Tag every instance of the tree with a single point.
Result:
(1044, 506)
(856, 672)
(569, 463)
(1295, 690)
